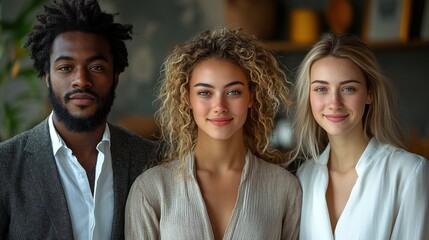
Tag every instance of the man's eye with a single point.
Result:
(97, 68)
(64, 69)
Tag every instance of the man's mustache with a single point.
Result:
(86, 91)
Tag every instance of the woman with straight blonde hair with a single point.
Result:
(358, 181)
(221, 179)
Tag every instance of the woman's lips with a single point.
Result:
(220, 121)
(336, 118)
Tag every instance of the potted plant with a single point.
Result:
(21, 92)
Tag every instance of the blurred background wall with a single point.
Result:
(160, 24)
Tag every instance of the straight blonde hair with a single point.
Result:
(380, 118)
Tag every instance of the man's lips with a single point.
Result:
(82, 99)
(220, 121)
(335, 117)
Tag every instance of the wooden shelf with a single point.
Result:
(285, 46)
(411, 44)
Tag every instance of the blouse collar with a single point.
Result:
(365, 159)
(190, 165)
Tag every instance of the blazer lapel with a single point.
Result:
(120, 166)
(43, 170)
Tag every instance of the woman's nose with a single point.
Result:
(219, 105)
(335, 101)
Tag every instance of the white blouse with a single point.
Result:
(164, 205)
(390, 199)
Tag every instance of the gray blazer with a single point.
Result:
(32, 201)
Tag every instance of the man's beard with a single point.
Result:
(81, 124)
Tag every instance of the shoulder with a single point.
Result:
(283, 187)
(124, 140)
(311, 172)
(271, 168)
(308, 168)
(31, 140)
(120, 134)
(161, 171)
(408, 171)
(396, 165)
(158, 181)
(16, 151)
(10, 145)
(158, 176)
(277, 174)
(401, 161)
(40, 131)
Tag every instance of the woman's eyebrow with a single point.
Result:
(210, 86)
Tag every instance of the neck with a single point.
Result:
(220, 155)
(80, 142)
(346, 151)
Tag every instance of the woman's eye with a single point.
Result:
(349, 89)
(320, 89)
(234, 92)
(203, 93)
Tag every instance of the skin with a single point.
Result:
(81, 61)
(219, 97)
(338, 95)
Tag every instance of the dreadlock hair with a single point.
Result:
(76, 15)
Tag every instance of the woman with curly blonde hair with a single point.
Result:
(220, 179)
(358, 181)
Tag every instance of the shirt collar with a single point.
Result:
(367, 156)
(190, 165)
(58, 142)
(364, 160)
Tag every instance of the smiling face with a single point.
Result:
(338, 95)
(80, 80)
(219, 97)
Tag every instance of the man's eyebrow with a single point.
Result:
(67, 58)
(90, 59)
(97, 57)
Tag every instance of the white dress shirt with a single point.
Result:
(390, 199)
(91, 215)
(163, 204)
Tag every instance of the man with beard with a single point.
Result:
(69, 177)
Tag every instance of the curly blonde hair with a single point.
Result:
(380, 118)
(267, 83)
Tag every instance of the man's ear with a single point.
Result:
(47, 79)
